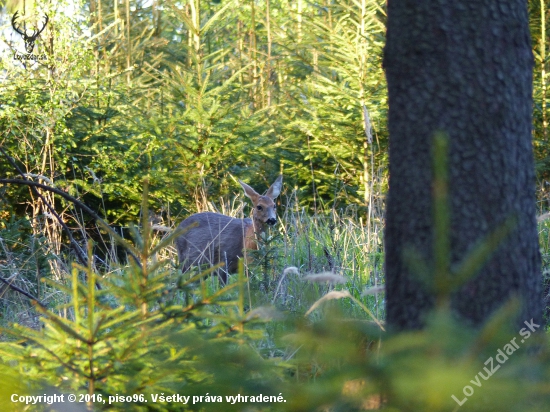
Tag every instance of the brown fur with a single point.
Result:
(221, 239)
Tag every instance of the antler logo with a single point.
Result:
(29, 40)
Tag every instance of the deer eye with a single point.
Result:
(259, 207)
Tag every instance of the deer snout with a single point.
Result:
(271, 221)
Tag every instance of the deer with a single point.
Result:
(212, 238)
(29, 40)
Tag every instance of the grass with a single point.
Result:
(307, 244)
(335, 241)
(304, 311)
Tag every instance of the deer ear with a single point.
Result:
(275, 188)
(249, 192)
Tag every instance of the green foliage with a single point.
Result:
(137, 335)
(190, 93)
(193, 92)
(149, 330)
(24, 260)
(445, 365)
(339, 100)
(328, 243)
(538, 22)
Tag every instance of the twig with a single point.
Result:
(27, 294)
(71, 199)
(79, 252)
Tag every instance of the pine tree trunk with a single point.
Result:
(465, 68)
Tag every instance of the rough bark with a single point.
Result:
(465, 68)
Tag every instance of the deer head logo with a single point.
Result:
(29, 40)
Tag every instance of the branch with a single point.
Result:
(79, 252)
(27, 294)
(71, 199)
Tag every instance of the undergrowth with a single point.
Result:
(133, 323)
(302, 324)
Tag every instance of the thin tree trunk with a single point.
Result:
(543, 68)
(115, 5)
(129, 43)
(268, 62)
(99, 16)
(254, 87)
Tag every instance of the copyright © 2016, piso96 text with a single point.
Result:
(142, 398)
(500, 357)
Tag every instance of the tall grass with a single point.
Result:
(335, 241)
(284, 329)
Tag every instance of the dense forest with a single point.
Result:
(191, 93)
(128, 116)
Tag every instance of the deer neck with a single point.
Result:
(252, 231)
(259, 226)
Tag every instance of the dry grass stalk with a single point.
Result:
(327, 277)
(335, 294)
(291, 270)
(373, 291)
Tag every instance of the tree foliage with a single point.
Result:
(190, 93)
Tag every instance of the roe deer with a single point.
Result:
(219, 238)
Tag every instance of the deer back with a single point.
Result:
(216, 238)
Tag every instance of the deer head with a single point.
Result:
(264, 211)
(29, 40)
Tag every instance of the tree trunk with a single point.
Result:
(464, 68)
